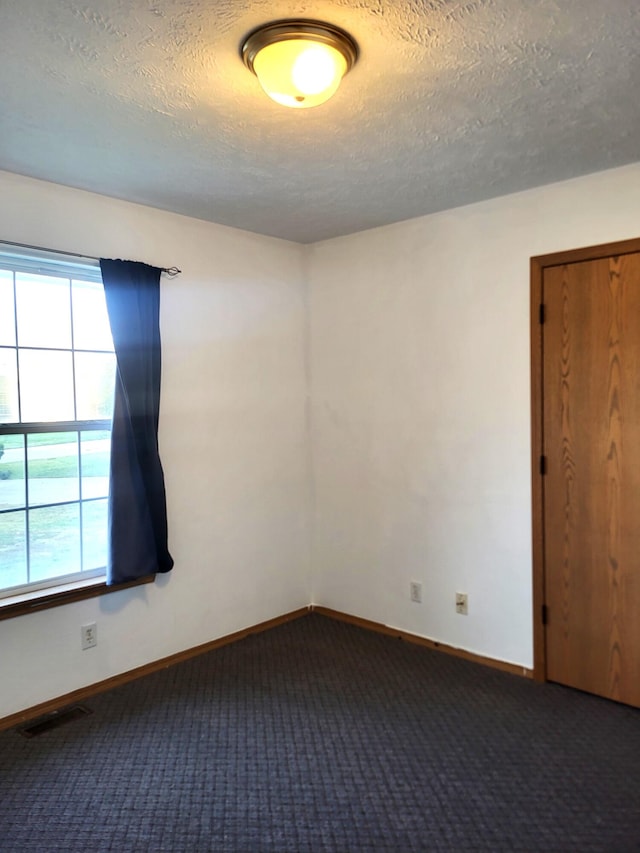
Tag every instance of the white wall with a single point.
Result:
(415, 347)
(421, 408)
(233, 440)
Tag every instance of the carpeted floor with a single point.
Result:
(319, 736)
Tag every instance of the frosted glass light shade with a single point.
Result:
(299, 63)
(299, 73)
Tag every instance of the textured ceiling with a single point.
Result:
(452, 101)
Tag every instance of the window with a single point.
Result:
(57, 373)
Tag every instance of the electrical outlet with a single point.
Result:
(415, 592)
(89, 635)
(462, 604)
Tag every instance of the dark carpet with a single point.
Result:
(320, 736)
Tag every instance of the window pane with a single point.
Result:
(91, 329)
(7, 316)
(54, 541)
(95, 383)
(53, 467)
(94, 534)
(46, 385)
(95, 449)
(56, 364)
(13, 549)
(8, 387)
(44, 311)
(12, 483)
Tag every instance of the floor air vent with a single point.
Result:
(55, 719)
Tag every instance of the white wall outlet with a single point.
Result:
(89, 635)
(462, 604)
(415, 592)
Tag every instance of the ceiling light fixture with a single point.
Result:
(299, 63)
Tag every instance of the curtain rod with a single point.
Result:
(170, 271)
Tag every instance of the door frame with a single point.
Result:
(538, 265)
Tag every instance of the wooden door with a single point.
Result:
(589, 434)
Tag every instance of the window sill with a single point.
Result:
(30, 602)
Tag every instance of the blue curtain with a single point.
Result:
(137, 498)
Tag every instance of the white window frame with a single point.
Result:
(38, 591)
